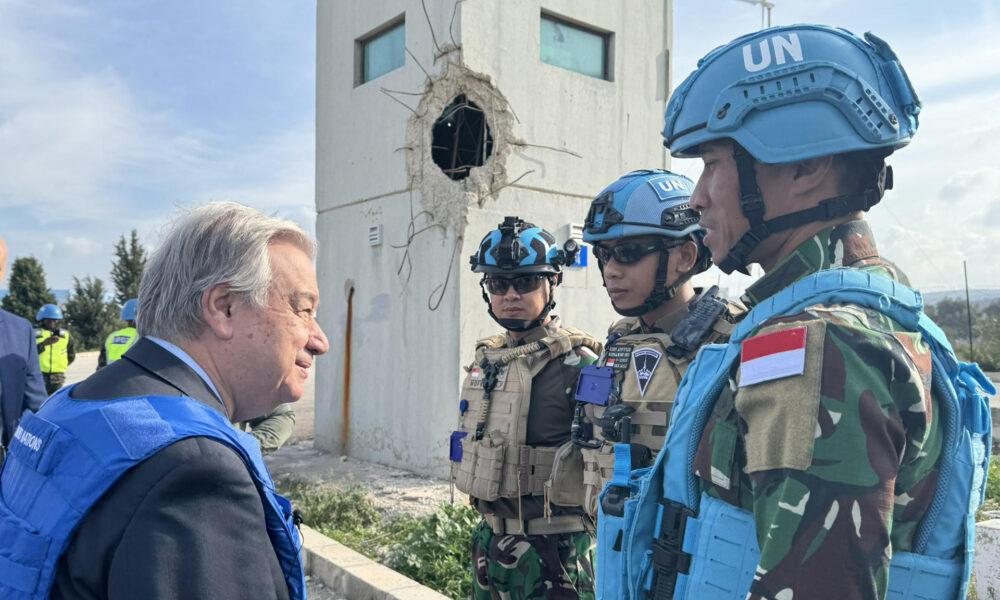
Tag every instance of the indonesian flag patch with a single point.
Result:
(773, 356)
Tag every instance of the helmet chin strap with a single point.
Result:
(752, 205)
(661, 291)
(523, 324)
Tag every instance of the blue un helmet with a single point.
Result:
(128, 310)
(792, 93)
(648, 202)
(518, 247)
(49, 311)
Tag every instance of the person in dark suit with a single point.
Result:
(227, 333)
(21, 386)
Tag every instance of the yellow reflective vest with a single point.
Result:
(118, 342)
(53, 358)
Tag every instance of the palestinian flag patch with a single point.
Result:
(773, 356)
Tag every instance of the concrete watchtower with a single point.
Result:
(434, 120)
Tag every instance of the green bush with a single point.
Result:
(345, 512)
(993, 481)
(433, 550)
(436, 552)
(986, 356)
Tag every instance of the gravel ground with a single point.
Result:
(395, 491)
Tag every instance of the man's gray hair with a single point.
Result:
(217, 243)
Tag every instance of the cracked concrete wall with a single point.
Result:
(559, 137)
(448, 200)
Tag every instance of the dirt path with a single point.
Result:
(396, 491)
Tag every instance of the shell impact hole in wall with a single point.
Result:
(461, 138)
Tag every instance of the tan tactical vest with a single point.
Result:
(647, 377)
(500, 464)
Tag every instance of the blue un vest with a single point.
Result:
(705, 548)
(62, 460)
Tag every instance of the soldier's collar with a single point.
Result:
(809, 257)
(852, 242)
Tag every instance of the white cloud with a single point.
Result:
(92, 152)
(274, 176)
(974, 182)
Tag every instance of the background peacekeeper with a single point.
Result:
(648, 245)
(273, 429)
(512, 451)
(831, 440)
(55, 347)
(121, 340)
(134, 483)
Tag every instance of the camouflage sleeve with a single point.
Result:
(102, 357)
(841, 460)
(273, 429)
(70, 351)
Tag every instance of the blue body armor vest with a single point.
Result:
(63, 459)
(673, 542)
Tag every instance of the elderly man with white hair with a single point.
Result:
(133, 483)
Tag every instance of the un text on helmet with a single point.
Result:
(784, 48)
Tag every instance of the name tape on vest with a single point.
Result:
(772, 356)
(476, 378)
(618, 356)
(30, 440)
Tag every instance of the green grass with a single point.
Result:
(432, 550)
(992, 502)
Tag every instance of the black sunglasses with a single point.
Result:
(632, 252)
(523, 284)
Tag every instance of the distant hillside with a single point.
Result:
(61, 295)
(979, 298)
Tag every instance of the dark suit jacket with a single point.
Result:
(20, 376)
(186, 523)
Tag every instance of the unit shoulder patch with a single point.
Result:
(780, 406)
(644, 362)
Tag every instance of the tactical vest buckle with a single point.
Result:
(613, 500)
(668, 558)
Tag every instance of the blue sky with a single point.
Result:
(945, 206)
(113, 113)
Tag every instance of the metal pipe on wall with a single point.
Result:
(345, 406)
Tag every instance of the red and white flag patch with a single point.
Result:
(773, 356)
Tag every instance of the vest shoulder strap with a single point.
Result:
(567, 338)
(624, 326)
(491, 342)
(488, 343)
(854, 286)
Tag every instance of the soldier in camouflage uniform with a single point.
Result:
(512, 451)
(828, 432)
(647, 243)
(273, 429)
